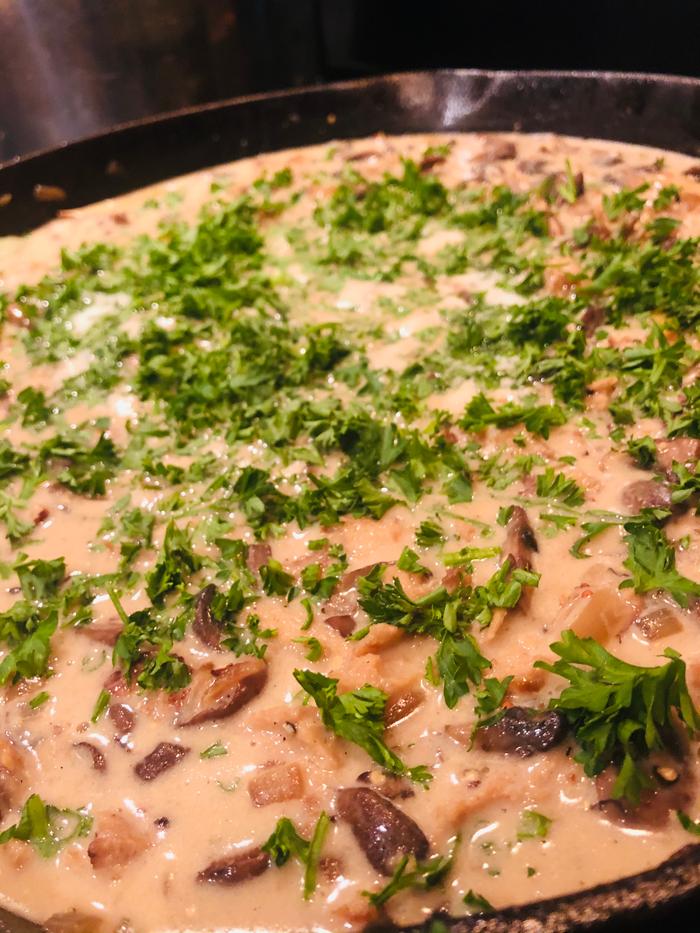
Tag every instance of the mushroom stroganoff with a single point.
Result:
(349, 545)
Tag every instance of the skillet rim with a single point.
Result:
(672, 884)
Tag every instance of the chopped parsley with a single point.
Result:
(620, 713)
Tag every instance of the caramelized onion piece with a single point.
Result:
(163, 757)
(383, 832)
(276, 784)
(646, 494)
(240, 867)
(204, 626)
(215, 694)
(520, 542)
(118, 840)
(99, 762)
(523, 732)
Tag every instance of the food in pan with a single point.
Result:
(350, 552)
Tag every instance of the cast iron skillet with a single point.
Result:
(651, 110)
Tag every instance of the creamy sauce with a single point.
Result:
(200, 810)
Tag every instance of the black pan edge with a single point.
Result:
(624, 906)
(654, 110)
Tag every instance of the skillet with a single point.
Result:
(646, 109)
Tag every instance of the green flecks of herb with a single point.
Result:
(39, 699)
(504, 514)
(461, 665)
(358, 717)
(174, 566)
(314, 647)
(101, 704)
(46, 827)
(625, 201)
(667, 196)
(136, 533)
(553, 485)
(309, 613)
(275, 579)
(538, 419)
(489, 697)
(246, 638)
(12, 462)
(40, 579)
(691, 826)
(88, 468)
(217, 750)
(619, 712)
(570, 188)
(477, 903)
(429, 534)
(410, 873)
(36, 411)
(319, 584)
(652, 562)
(410, 562)
(643, 451)
(285, 843)
(464, 556)
(533, 825)
(144, 647)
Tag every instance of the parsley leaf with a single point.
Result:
(652, 562)
(46, 827)
(411, 873)
(619, 712)
(357, 716)
(285, 843)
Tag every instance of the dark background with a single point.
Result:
(69, 68)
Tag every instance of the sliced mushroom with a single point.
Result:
(163, 757)
(521, 542)
(119, 839)
(258, 556)
(104, 631)
(685, 450)
(277, 784)
(674, 790)
(646, 494)
(382, 831)
(123, 718)
(343, 624)
(205, 627)
(97, 758)
(400, 705)
(240, 867)
(523, 732)
(217, 693)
